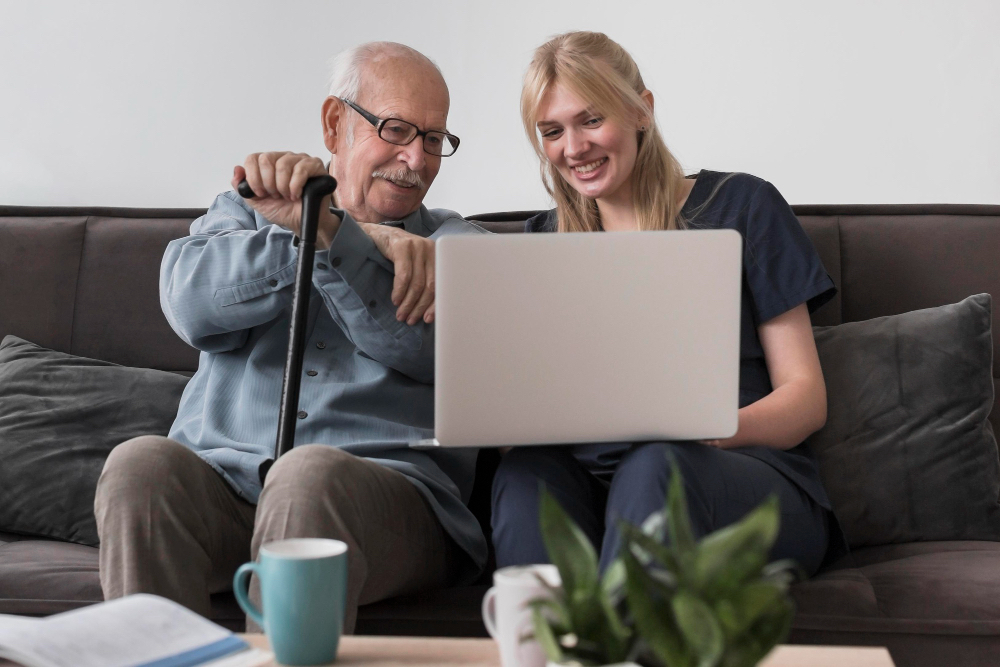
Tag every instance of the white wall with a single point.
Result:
(151, 104)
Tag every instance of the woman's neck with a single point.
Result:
(618, 213)
(617, 216)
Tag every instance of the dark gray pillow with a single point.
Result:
(907, 453)
(60, 416)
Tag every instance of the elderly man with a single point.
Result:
(178, 515)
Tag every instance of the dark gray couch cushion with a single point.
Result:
(907, 453)
(60, 416)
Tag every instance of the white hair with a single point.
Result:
(348, 69)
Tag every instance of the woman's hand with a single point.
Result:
(412, 258)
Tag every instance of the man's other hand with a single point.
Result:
(412, 257)
(278, 178)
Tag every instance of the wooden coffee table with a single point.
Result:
(447, 652)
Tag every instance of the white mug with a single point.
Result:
(508, 617)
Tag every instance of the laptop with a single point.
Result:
(582, 338)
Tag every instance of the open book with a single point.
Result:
(133, 631)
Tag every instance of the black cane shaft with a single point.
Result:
(313, 193)
(288, 413)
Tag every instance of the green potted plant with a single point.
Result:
(668, 600)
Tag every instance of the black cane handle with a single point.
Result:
(321, 183)
(245, 190)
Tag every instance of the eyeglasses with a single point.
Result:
(400, 132)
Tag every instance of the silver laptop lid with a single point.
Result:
(574, 338)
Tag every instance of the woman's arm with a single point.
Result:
(797, 406)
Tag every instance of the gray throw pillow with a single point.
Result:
(907, 453)
(60, 416)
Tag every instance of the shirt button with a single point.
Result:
(272, 283)
(321, 345)
(311, 374)
(335, 261)
(303, 414)
(371, 304)
(322, 267)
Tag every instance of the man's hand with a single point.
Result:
(278, 179)
(412, 257)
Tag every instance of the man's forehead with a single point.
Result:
(405, 88)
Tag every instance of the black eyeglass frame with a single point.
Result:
(379, 123)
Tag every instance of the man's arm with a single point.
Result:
(226, 277)
(360, 284)
(356, 281)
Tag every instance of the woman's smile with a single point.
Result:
(590, 170)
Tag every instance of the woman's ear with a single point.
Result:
(646, 119)
(332, 112)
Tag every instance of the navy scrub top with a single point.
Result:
(781, 269)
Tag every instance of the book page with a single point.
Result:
(127, 632)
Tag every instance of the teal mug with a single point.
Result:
(303, 588)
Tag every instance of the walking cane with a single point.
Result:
(313, 192)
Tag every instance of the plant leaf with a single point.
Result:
(655, 525)
(678, 519)
(761, 637)
(699, 627)
(568, 548)
(729, 556)
(751, 602)
(786, 571)
(644, 547)
(613, 581)
(545, 637)
(554, 610)
(617, 638)
(652, 615)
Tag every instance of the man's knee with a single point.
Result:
(137, 467)
(137, 476)
(315, 471)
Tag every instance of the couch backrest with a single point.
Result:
(85, 280)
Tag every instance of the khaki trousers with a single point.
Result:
(169, 524)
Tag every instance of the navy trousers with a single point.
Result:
(630, 482)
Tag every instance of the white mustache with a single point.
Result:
(400, 177)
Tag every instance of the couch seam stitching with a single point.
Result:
(840, 257)
(871, 587)
(76, 285)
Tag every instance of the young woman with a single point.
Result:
(590, 119)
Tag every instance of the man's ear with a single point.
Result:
(333, 111)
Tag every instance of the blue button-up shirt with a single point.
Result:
(367, 388)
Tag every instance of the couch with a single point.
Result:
(84, 281)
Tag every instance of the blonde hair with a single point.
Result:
(597, 69)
